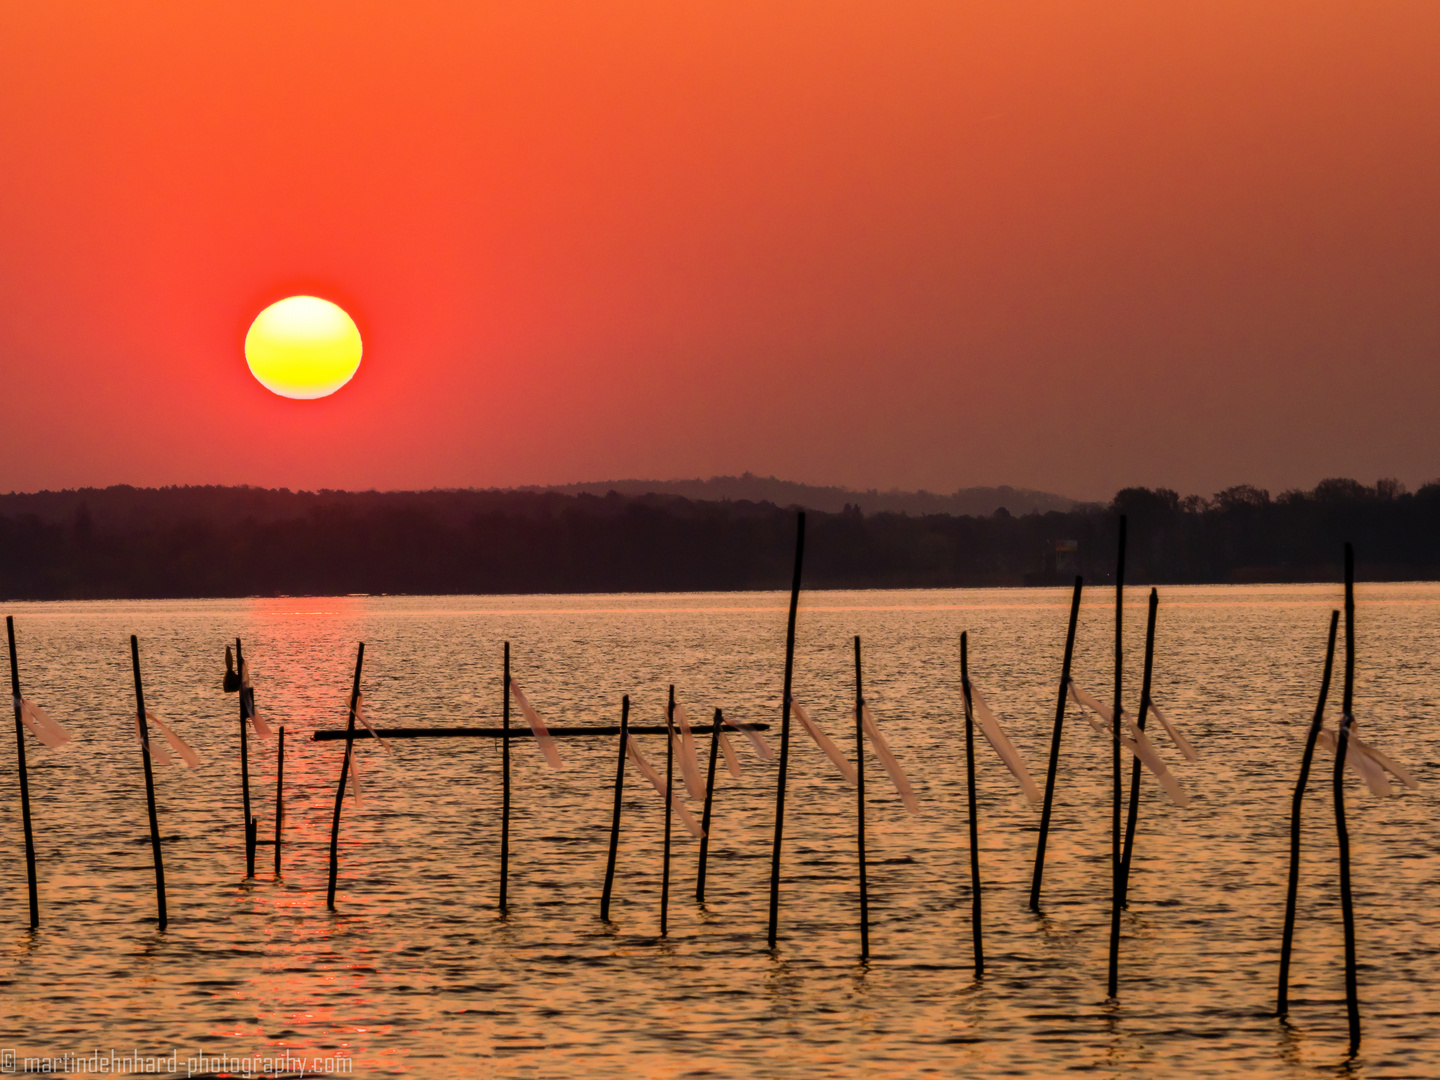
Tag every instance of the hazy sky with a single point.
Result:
(1059, 245)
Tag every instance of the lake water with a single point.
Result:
(416, 974)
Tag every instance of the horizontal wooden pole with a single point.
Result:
(501, 733)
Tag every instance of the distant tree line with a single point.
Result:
(209, 542)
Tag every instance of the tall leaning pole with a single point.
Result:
(344, 774)
(1115, 899)
(1055, 748)
(785, 733)
(24, 778)
(1342, 831)
(1282, 1001)
(142, 720)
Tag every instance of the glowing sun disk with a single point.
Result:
(303, 347)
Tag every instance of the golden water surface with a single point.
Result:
(417, 974)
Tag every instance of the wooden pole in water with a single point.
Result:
(1282, 1002)
(615, 818)
(505, 795)
(705, 818)
(588, 731)
(1134, 809)
(1114, 982)
(1347, 907)
(344, 773)
(149, 781)
(245, 763)
(669, 794)
(279, 793)
(785, 734)
(860, 805)
(1055, 748)
(24, 778)
(975, 913)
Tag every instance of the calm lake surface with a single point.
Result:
(418, 975)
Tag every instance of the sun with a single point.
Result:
(303, 347)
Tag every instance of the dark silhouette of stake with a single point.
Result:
(24, 778)
(344, 774)
(705, 819)
(1055, 749)
(1114, 982)
(245, 706)
(1134, 809)
(505, 794)
(669, 794)
(279, 794)
(149, 781)
(1347, 907)
(785, 734)
(588, 731)
(860, 805)
(615, 818)
(975, 919)
(1282, 1002)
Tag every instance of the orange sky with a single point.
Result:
(1067, 246)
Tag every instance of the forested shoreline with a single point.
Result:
(123, 543)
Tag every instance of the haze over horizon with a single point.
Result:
(1069, 249)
